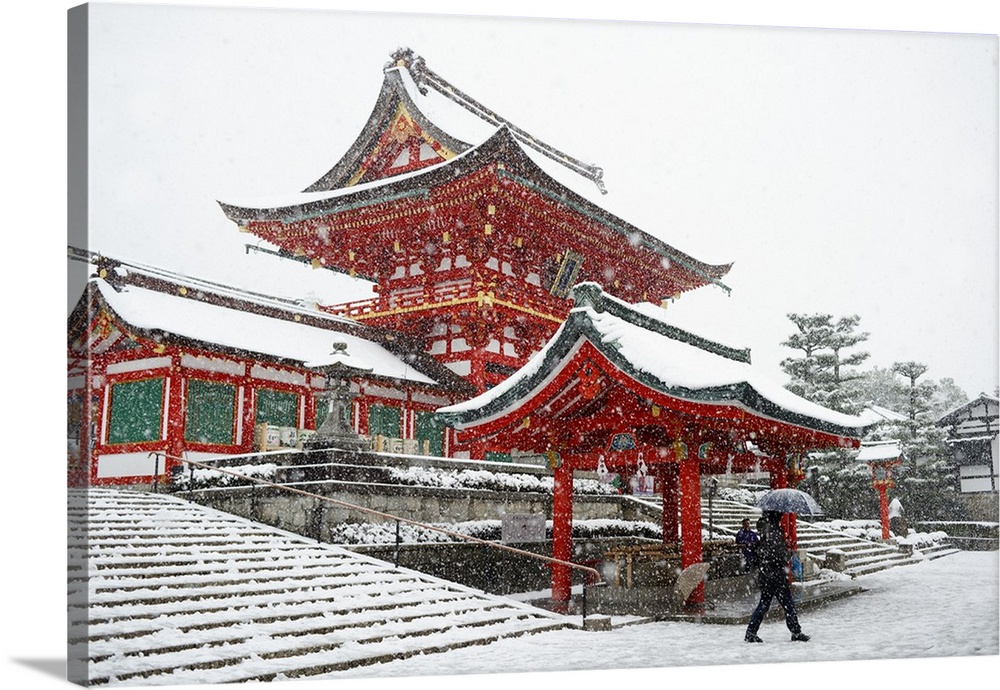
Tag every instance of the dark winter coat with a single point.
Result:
(772, 552)
(747, 540)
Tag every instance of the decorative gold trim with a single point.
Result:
(481, 299)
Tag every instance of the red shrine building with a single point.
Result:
(162, 363)
(471, 230)
(473, 234)
(617, 389)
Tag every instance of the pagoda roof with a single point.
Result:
(146, 305)
(501, 148)
(660, 362)
(467, 137)
(444, 113)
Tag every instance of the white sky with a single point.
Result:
(34, 59)
(841, 171)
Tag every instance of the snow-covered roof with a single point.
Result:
(879, 450)
(451, 117)
(450, 120)
(139, 273)
(288, 200)
(660, 356)
(460, 123)
(476, 134)
(153, 310)
(984, 407)
(873, 414)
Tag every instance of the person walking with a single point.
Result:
(772, 575)
(747, 540)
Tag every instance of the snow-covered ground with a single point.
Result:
(936, 620)
(942, 608)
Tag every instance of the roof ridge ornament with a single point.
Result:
(591, 295)
(413, 63)
(588, 294)
(424, 77)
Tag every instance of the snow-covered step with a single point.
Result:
(195, 630)
(178, 593)
(861, 556)
(938, 551)
(344, 612)
(284, 642)
(876, 565)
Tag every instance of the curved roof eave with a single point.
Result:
(501, 146)
(577, 326)
(416, 183)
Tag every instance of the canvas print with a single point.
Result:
(405, 345)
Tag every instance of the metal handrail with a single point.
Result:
(398, 519)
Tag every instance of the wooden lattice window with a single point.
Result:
(136, 411)
(278, 408)
(211, 409)
(384, 421)
(430, 428)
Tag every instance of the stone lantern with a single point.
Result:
(337, 431)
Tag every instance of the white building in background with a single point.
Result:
(972, 436)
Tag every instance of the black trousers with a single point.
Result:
(774, 586)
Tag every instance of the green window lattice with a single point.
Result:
(278, 408)
(384, 421)
(136, 411)
(430, 428)
(211, 409)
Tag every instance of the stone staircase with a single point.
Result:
(861, 556)
(162, 591)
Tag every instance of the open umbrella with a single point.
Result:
(789, 501)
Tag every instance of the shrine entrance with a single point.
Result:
(618, 390)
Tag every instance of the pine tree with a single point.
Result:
(925, 483)
(919, 401)
(947, 397)
(821, 373)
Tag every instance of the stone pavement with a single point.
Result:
(730, 604)
(735, 607)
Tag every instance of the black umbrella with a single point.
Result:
(789, 501)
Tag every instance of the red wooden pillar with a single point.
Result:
(671, 502)
(174, 405)
(562, 531)
(100, 399)
(361, 421)
(791, 529)
(691, 546)
(779, 479)
(248, 399)
(477, 450)
(883, 509)
(309, 420)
